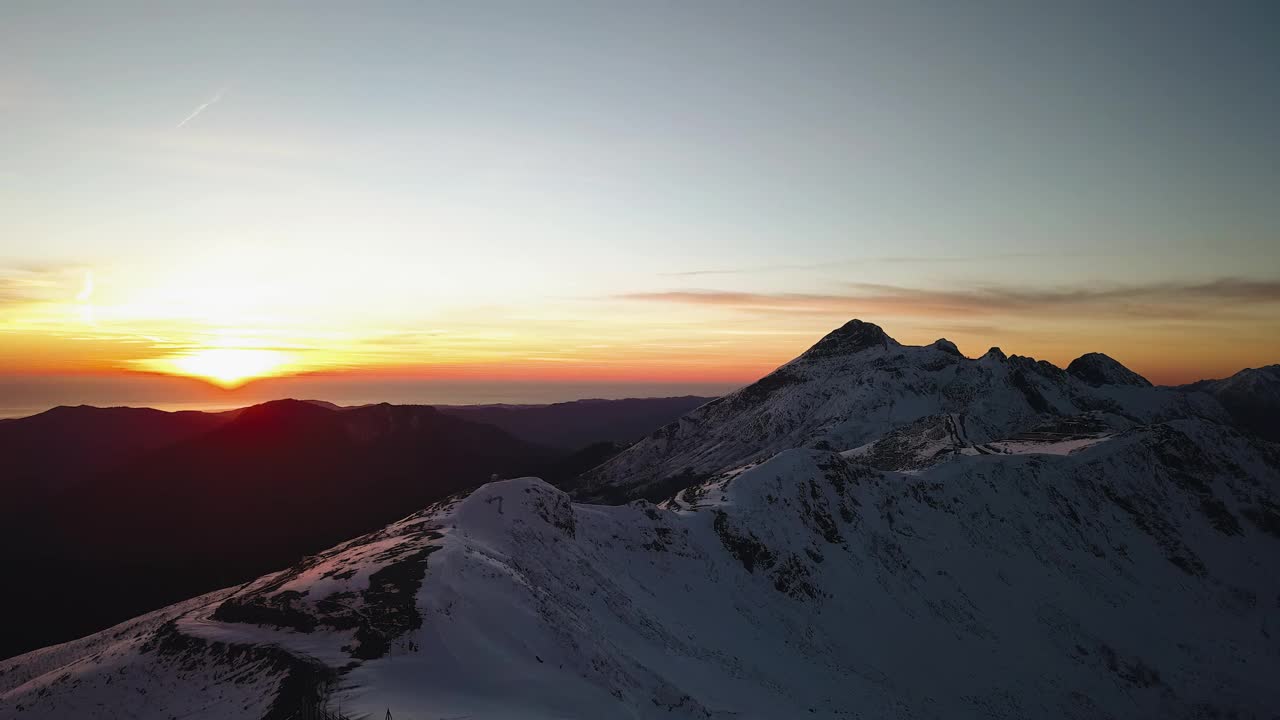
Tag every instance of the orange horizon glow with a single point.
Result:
(230, 368)
(229, 327)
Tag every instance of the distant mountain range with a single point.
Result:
(872, 530)
(160, 506)
(573, 425)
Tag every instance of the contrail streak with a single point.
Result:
(216, 97)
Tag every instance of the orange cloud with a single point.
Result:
(1152, 300)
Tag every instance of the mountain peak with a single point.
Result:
(1096, 369)
(946, 346)
(996, 353)
(852, 337)
(285, 407)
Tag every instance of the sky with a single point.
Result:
(607, 197)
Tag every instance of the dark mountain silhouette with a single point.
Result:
(152, 507)
(46, 453)
(572, 425)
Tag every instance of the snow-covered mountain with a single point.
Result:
(858, 384)
(1252, 397)
(1040, 547)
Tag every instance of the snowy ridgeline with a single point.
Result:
(1116, 561)
(858, 385)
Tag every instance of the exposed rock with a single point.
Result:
(1098, 370)
(946, 346)
(852, 337)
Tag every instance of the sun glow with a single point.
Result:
(229, 367)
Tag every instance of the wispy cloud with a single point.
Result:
(1155, 300)
(880, 260)
(24, 284)
(744, 300)
(202, 107)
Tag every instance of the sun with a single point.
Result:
(228, 367)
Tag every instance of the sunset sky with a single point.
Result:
(624, 198)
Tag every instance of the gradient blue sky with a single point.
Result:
(637, 190)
